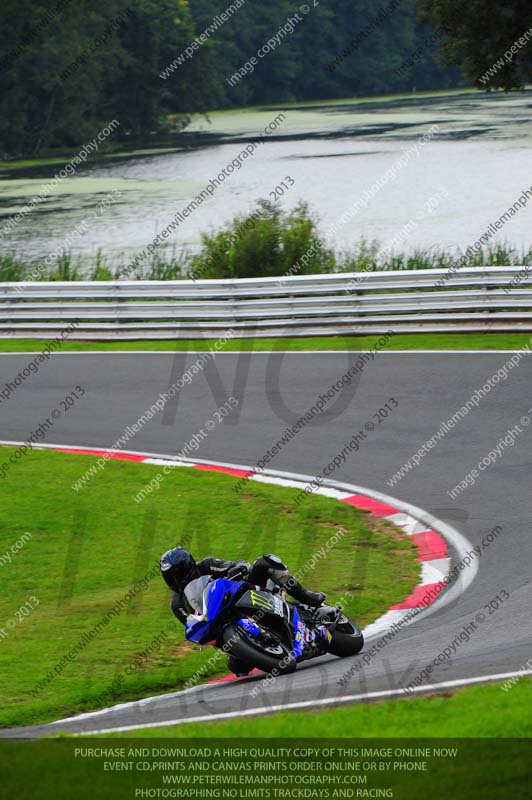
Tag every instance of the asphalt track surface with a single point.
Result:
(275, 390)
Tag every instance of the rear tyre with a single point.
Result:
(347, 639)
(266, 651)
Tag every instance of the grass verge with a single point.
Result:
(88, 549)
(405, 341)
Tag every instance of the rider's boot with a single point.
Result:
(302, 595)
(237, 666)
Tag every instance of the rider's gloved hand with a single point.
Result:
(240, 569)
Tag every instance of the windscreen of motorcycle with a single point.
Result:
(194, 593)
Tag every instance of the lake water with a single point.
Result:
(475, 163)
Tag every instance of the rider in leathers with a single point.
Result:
(179, 568)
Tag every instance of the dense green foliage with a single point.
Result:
(67, 71)
(479, 36)
(265, 243)
(68, 67)
(338, 50)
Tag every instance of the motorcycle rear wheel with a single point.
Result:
(275, 658)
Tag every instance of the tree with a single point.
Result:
(264, 243)
(65, 74)
(490, 39)
(68, 67)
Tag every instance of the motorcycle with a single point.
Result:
(260, 628)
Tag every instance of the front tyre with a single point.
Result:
(265, 651)
(347, 639)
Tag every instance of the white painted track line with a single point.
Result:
(313, 704)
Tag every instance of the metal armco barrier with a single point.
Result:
(470, 299)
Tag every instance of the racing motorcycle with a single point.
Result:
(260, 628)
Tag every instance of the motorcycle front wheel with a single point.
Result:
(347, 639)
(265, 651)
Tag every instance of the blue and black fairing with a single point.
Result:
(305, 636)
(211, 599)
(222, 602)
(299, 633)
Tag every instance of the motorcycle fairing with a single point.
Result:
(299, 633)
(217, 596)
(255, 602)
(249, 626)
